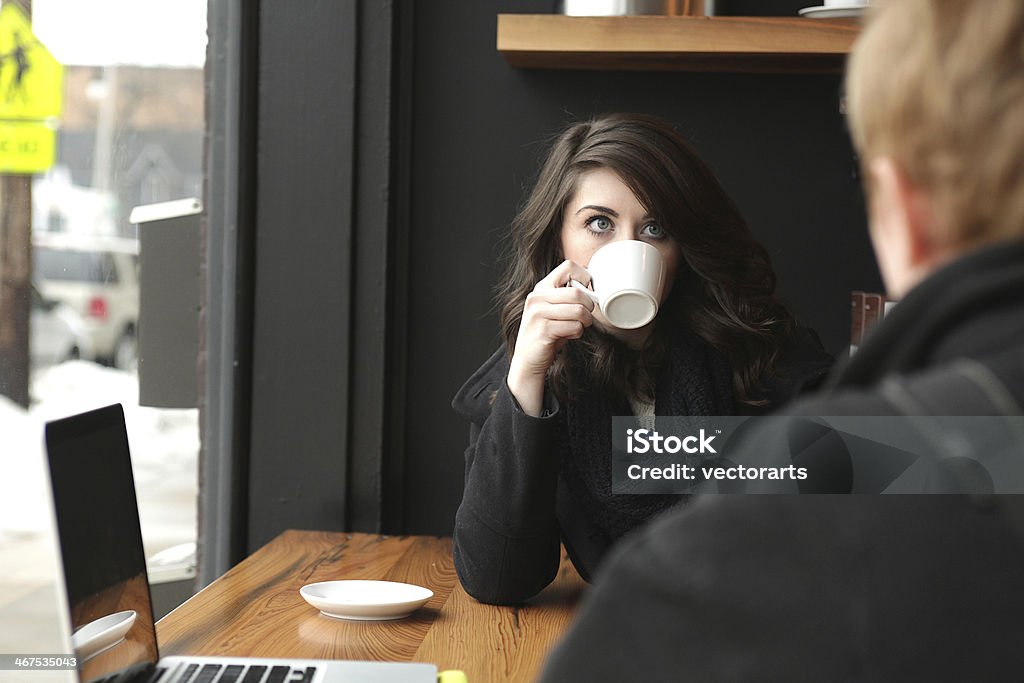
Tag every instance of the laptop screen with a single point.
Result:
(101, 543)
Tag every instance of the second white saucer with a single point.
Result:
(832, 12)
(365, 600)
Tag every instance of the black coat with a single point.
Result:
(924, 587)
(516, 508)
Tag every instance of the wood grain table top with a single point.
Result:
(255, 609)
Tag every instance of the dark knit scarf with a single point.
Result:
(695, 380)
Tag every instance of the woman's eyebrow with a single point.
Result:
(603, 209)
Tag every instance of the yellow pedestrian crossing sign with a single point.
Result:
(31, 80)
(26, 146)
(31, 93)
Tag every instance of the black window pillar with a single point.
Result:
(304, 368)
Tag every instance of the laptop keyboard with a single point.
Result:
(233, 673)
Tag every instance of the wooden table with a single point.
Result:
(255, 609)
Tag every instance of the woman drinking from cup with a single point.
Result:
(633, 286)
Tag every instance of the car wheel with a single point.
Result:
(125, 352)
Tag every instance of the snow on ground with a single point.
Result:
(164, 445)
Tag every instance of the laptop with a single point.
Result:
(106, 611)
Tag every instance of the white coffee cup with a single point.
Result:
(627, 277)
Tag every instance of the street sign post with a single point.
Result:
(31, 90)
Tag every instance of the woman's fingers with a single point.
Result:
(561, 295)
(563, 330)
(542, 309)
(560, 276)
(557, 331)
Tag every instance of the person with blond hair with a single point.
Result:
(923, 587)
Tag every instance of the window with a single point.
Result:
(130, 133)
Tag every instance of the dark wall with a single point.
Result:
(303, 269)
(777, 142)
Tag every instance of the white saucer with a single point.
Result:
(365, 600)
(102, 634)
(832, 12)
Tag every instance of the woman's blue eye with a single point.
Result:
(654, 230)
(599, 224)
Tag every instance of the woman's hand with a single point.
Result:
(553, 314)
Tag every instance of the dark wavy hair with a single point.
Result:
(724, 289)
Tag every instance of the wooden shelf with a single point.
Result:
(744, 44)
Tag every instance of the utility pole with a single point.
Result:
(105, 120)
(15, 276)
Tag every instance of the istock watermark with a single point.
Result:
(800, 454)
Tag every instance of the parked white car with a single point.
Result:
(57, 333)
(98, 278)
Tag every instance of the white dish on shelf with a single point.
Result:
(365, 600)
(102, 634)
(833, 11)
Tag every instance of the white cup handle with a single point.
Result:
(586, 290)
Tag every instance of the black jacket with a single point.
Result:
(924, 587)
(516, 509)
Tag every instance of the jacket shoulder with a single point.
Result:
(473, 400)
(966, 386)
(994, 385)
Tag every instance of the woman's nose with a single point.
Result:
(629, 233)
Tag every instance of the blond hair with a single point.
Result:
(938, 86)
